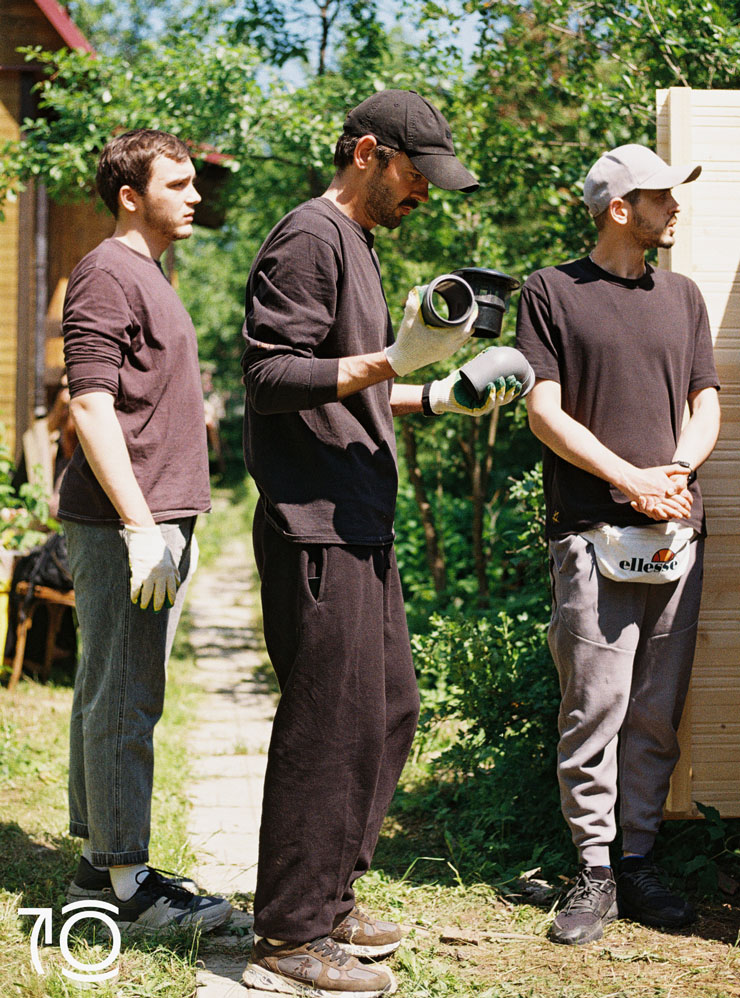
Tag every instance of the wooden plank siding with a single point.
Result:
(23, 23)
(73, 229)
(9, 258)
(704, 127)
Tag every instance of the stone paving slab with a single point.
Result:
(229, 753)
(222, 978)
(229, 765)
(222, 819)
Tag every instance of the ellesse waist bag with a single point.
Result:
(655, 553)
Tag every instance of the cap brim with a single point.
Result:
(446, 172)
(670, 176)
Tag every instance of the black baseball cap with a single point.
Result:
(404, 120)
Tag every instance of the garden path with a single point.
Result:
(228, 746)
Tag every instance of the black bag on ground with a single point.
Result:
(45, 565)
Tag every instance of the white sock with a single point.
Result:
(272, 942)
(87, 853)
(126, 880)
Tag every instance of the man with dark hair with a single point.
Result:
(318, 367)
(619, 350)
(129, 500)
(127, 161)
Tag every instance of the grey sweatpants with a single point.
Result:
(623, 651)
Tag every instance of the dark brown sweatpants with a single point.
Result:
(335, 629)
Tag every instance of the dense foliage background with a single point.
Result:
(535, 91)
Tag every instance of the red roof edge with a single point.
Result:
(64, 25)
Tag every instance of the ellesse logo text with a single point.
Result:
(662, 561)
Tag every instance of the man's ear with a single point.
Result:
(365, 151)
(619, 211)
(128, 199)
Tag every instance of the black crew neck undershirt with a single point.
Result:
(644, 281)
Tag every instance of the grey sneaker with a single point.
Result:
(319, 969)
(361, 935)
(89, 882)
(589, 905)
(643, 897)
(159, 904)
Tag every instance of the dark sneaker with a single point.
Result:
(588, 906)
(89, 882)
(320, 969)
(361, 935)
(643, 897)
(158, 904)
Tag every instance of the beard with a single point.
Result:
(160, 221)
(381, 204)
(649, 236)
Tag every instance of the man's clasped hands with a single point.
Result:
(661, 493)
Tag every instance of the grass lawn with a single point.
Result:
(39, 858)
(466, 939)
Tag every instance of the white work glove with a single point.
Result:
(194, 555)
(153, 569)
(452, 395)
(418, 344)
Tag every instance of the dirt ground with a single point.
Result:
(502, 945)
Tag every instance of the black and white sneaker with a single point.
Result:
(89, 882)
(643, 897)
(159, 903)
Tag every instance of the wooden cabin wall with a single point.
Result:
(704, 127)
(23, 23)
(74, 230)
(9, 266)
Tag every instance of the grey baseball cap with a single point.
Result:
(629, 168)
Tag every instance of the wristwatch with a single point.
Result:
(692, 472)
(426, 405)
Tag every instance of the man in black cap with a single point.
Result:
(318, 367)
(620, 350)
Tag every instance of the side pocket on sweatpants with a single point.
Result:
(553, 582)
(314, 569)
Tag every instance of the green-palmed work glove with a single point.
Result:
(418, 344)
(451, 394)
(154, 574)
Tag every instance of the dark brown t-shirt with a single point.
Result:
(326, 468)
(626, 353)
(127, 333)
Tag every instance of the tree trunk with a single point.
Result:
(435, 557)
(479, 470)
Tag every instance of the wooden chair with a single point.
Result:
(56, 603)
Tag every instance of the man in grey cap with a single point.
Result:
(319, 364)
(618, 349)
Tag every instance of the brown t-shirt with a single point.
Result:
(626, 354)
(127, 333)
(326, 468)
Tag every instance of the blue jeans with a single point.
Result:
(119, 690)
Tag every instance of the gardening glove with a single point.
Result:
(451, 394)
(153, 569)
(418, 344)
(493, 365)
(194, 555)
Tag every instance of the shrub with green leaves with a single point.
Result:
(488, 675)
(24, 512)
